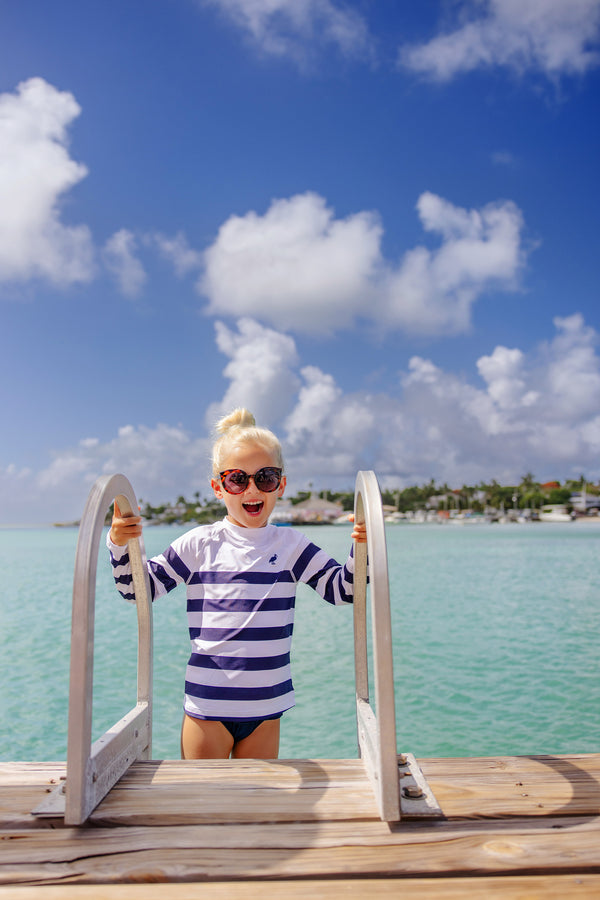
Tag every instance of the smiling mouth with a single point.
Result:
(253, 509)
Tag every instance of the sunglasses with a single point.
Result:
(235, 481)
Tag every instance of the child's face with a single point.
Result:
(252, 508)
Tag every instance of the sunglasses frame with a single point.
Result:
(223, 475)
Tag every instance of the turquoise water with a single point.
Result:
(496, 645)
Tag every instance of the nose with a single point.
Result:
(252, 482)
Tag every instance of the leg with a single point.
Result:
(204, 739)
(263, 743)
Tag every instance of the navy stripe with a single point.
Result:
(123, 579)
(240, 577)
(236, 718)
(329, 593)
(177, 564)
(208, 692)
(246, 634)
(330, 564)
(239, 604)
(158, 571)
(233, 663)
(303, 561)
(122, 561)
(334, 581)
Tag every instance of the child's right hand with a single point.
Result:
(124, 528)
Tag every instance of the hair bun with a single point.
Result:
(240, 417)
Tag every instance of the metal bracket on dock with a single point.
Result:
(399, 789)
(53, 804)
(417, 800)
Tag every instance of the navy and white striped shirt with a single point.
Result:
(241, 587)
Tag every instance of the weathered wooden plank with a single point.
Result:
(18, 772)
(534, 887)
(566, 763)
(177, 792)
(23, 785)
(62, 844)
(540, 785)
(83, 856)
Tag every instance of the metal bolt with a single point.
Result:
(402, 760)
(412, 792)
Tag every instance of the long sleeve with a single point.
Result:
(333, 582)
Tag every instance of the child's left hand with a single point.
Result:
(359, 532)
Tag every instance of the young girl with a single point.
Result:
(241, 575)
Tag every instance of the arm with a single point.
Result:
(165, 571)
(333, 582)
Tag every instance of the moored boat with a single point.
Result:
(554, 512)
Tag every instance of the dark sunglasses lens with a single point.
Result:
(267, 479)
(235, 482)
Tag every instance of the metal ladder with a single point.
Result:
(398, 783)
(93, 769)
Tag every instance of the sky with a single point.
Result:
(374, 224)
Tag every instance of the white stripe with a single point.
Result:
(240, 589)
(233, 620)
(226, 678)
(236, 709)
(252, 649)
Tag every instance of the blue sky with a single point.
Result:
(374, 224)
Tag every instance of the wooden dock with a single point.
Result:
(521, 827)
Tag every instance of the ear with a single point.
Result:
(281, 487)
(216, 486)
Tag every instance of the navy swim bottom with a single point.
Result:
(240, 729)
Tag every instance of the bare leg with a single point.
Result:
(263, 743)
(205, 739)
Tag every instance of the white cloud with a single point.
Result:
(571, 370)
(554, 37)
(327, 434)
(503, 373)
(295, 28)
(537, 411)
(161, 462)
(260, 369)
(523, 416)
(35, 172)
(298, 267)
(178, 251)
(432, 292)
(120, 259)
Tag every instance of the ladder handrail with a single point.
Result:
(93, 770)
(376, 732)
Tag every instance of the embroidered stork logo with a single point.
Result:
(273, 559)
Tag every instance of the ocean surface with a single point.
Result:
(496, 633)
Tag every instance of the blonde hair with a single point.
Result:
(237, 428)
